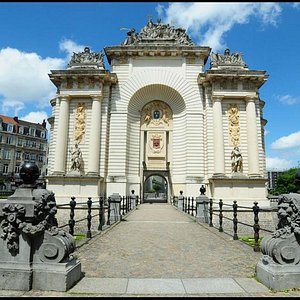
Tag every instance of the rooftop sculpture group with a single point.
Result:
(227, 59)
(86, 59)
(158, 32)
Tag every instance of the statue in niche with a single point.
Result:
(236, 160)
(76, 158)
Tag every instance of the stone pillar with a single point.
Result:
(252, 140)
(180, 201)
(94, 149)
(218, 137)
(61, 136)
(133, 199)
(115, 207)
(202, 208)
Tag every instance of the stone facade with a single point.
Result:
(158, 112)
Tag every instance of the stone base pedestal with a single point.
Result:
(15, 276)
(278, 277)
(56, 276)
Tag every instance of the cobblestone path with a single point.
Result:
(158, 241)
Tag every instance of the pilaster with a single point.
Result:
(61, 137)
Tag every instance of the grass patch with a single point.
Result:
(79, 236)
(249, 240)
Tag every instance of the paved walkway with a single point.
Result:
(159, 251)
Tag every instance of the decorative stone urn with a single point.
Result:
(279, 267)
(34, 252)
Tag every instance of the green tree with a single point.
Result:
(286, 182)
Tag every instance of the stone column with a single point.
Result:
(94, 149)
(61, 136)
(252, 140)
(218, 137)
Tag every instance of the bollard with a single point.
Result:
(89, 218)
(221, 216)
(235, 220)
(101, 213)
(72, 214)
(192, 208)
(108, 212)
(210, 212)
(256, 227)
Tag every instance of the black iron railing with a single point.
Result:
(222, 210)
(107, 213)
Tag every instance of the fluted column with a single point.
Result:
(252, 140)
(218, 137)
(61, 136)
(94, 147)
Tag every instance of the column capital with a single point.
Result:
(64, 97)
(96, 97)
(216, 98)
(251, 98)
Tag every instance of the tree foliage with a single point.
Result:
(286, 182)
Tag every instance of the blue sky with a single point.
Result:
(38, 37)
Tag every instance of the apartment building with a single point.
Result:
(20, 142)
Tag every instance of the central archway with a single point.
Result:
(155, 189)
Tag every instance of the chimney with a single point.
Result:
(16, 119)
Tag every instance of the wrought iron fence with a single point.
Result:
(217, 209)
(107, 212)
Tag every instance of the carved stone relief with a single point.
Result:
(156, 143)
(80, 123)
(234, 124)
(156, 113)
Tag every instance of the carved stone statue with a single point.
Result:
(236, 160)
(202, 190)
(76, 159)
(279, 268)
(32, 247)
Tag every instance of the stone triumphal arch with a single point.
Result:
(159, 114)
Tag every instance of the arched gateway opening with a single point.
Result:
(155, 189)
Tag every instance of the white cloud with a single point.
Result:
(69, 46)
(279, 164)
(36, 117)
(288, 99)
(287, 142)
(207, 22)
(24, 79)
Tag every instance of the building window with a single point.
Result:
(0, 138)
(27, 143)
(40, 158)
(20, 142)
(32, 131)
(33, 156)
(10, 127)
(9, 140)
(26, 156)
(18, 155)
(17, 169)
(41, 146)
(21, 130)
(43, 134)
(5, 169)
(33, 145)
(6, 154)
